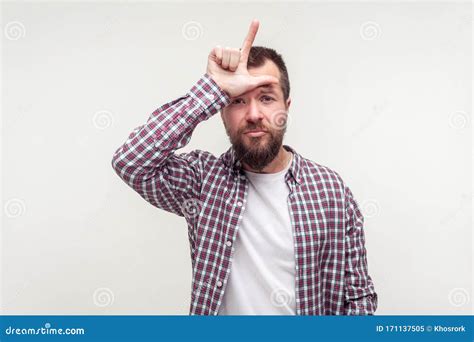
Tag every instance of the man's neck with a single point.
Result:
(276, 165)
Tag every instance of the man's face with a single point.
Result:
(256, 121)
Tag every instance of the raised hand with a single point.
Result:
(228, 67)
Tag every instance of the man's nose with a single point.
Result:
(254, 113)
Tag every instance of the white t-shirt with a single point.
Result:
(262, 275)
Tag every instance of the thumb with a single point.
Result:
(258, 81)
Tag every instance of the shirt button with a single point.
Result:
(239, 203)
(229, 243)
(219, 283)
(211, 97)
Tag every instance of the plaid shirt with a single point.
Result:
(210, 193)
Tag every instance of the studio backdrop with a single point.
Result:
(381, 93)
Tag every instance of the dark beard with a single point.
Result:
(258, 155)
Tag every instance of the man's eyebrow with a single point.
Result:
(268, 88)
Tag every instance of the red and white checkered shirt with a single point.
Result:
(210, 193)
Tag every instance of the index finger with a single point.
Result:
(249, 40)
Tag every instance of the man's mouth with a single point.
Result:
(255, 133)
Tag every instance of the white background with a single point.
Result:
(381, 93)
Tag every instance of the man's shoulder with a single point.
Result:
(318, 172)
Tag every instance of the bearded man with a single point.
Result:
(270, 232)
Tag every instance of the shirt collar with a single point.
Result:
(231, 161)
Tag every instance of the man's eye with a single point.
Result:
(267, 98)
(237, 101)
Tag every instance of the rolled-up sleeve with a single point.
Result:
(360, 295)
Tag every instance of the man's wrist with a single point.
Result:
(217, 83)
(209, 95)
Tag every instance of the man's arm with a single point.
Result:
(360, 295)
(147, 162)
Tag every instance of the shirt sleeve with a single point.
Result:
(147, 161)
(360, 295)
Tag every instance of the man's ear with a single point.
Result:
(288, 103)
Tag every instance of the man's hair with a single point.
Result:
(257, 57)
